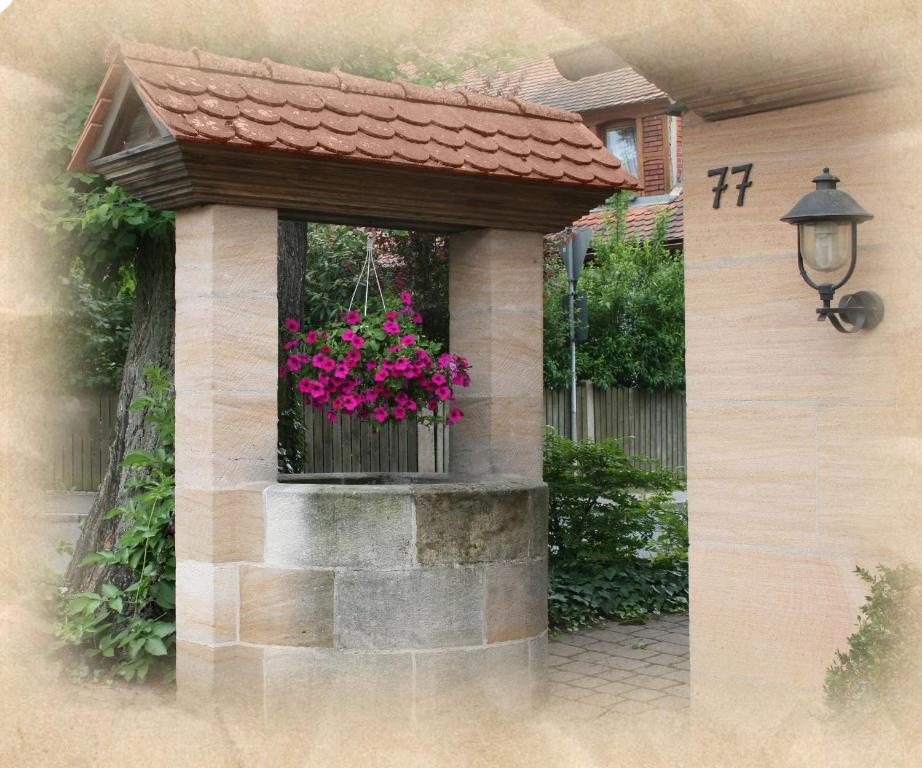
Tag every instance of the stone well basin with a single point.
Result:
(424, 589)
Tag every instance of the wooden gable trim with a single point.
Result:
(126, 96)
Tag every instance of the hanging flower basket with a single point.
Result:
(377, 367)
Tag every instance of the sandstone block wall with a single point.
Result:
(803, 443)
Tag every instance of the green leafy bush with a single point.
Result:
(129, 632)
(618, 543)
(636, 295)
(882, 665)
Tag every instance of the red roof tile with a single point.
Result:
(205, 98)
(641, 219)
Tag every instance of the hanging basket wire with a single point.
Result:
(369, 268)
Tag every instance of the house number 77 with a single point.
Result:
(722, 185)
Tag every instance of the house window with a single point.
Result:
(622, 141)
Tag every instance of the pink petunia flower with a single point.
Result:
(311, 337)
(417, 318)
(358, 342)
(406, 298)
(319, 360)
(291, 344)
(380, 414)
(400, 413)
(353, 318)
(348, 335)
(408, 340)
(455, 415)
(438, 379)
(292, 325)
(443, 393)
(392, 327)
(391, 315)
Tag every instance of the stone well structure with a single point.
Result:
(379, 592)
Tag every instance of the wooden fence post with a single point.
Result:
(587, 427)
(425, 441)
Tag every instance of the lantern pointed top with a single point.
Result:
(826, 203)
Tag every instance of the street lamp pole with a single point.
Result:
(573, 252)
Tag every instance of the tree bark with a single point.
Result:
(151, 344)
(291, 268)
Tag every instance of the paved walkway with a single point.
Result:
(621, 669)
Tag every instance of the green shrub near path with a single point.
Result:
(618, 542)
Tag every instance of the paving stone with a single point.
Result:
(679, 675)
(674, 618)
(682, 664)
(588, 681)
(642, 694)
(648, 681)
(625, 651)
(574, 639)
(565, 691)
(630, 707)
(614, 675)
(680, 690)
(615, 689)
(561, 709)
(557, 661)
(559, 649)
(590, 656)
(583, 667)
(561, 676)
(672, 648)
(652, 633)
(672, 702)
(665, 659)
(604, 700)
(619, 662)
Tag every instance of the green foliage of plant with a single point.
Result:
(635, 291)
(881, 667)
(94, 327)
(129, 633)
(412, 261)
(618, 543)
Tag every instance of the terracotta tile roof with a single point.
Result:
(539, 80)
(640, 220)
(204, 98)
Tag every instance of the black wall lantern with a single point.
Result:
(827, 222)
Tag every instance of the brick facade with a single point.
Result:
(655, 154)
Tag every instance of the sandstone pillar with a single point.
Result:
(226, 373)
(495, 298)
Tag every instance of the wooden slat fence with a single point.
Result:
(652, 424)
(80, 436)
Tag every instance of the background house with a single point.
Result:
(627, 112)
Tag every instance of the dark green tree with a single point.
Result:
(636, 312)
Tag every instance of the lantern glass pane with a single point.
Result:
(826, 245)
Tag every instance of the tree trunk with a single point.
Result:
(292, 256)
(151, 344)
